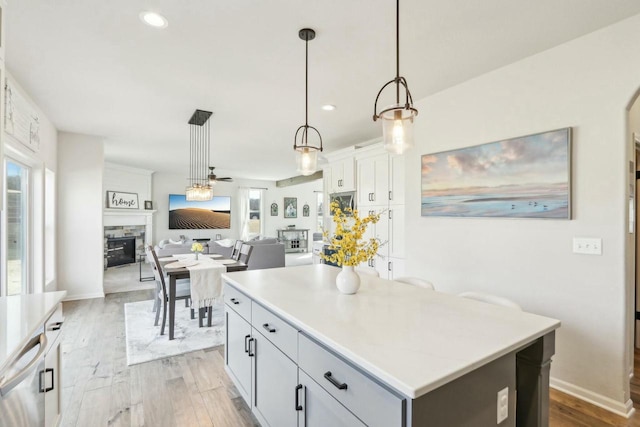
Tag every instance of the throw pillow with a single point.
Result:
(163, 243)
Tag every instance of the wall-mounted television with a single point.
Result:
(212, 214)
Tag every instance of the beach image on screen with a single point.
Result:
(212, 214)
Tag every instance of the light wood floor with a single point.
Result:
(99, 389)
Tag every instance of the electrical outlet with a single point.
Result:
(588, 246)
(503, 404)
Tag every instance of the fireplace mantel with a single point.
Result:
(125, 217)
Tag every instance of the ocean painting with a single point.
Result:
(524, 177)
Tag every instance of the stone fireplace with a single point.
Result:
(125, 235)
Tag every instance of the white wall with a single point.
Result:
(80, 232)
(586, 84)
(45, 158)
(165, 184)
(127, 179)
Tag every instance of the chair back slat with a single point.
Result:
(235, 253)
(157, 270)
(245, 253)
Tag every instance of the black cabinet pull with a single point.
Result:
(251, 340)
(235, 301)
(298, 406)
(246, 348)
(390, 195)
(332, 380)
(266, 326)
(56, 326)
(52, 379)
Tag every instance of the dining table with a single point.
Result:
(175, 274)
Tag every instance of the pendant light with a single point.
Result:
(199, 189)
(397, 119)
(306, 154)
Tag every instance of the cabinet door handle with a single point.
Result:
(56, 326)
(390, 214)
(246, 346)
(389, 266)
(390, 195)
(298, 406)
(373, 197)
(269, 329)
(252, 351)
(52, 380)
(339, 386)
(235, 301)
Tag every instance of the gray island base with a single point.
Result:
(301, 354)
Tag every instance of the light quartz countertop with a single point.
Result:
(20, 318)
(413, 339)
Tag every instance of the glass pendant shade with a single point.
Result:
(199, 193)
(306, 160)
(397, 129)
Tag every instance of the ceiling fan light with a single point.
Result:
(306, 160)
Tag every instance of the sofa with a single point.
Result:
(167, 248)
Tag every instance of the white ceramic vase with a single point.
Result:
(348, 281)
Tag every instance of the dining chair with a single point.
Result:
(235, 253)
(370, 271)
(183, 290)
(416, 281)
(245, 253)
(491, 299)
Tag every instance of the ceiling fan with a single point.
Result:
(213, 178)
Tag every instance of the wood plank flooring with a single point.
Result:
(99, 389)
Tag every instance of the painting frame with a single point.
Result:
(122, 200)
(305, 210)
(148, 205)
(290, 207)
(274, 209)
(524, 177)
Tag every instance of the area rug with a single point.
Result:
(144, 342)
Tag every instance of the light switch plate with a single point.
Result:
(503, 404)
(587, 245)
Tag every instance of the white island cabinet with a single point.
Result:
(302, 354)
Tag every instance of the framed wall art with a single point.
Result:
(305, 210)
(121, 200)
(290, 207)
(523, 177)
(274, 209)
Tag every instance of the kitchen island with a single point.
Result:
(301, 353)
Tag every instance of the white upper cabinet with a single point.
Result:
(342, 176)
(396, 234)
(396, 179)
(373, 180)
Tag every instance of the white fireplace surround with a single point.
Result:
(122, 217)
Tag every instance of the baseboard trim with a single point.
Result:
(84, 296)
(623, 409)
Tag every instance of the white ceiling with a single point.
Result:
(94, 68)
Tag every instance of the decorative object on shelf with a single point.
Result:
(397, 119)
(121, 200)
(305, 210)
(524, 177)
(199, 188)
(197, 248)
(290, 207)
(274, 209)
(148, 205)
(306, 154)
(348, 247)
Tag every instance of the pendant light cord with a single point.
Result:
(306, 86)
(398, 51)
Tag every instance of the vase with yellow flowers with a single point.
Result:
(197, 248)
(349, 247)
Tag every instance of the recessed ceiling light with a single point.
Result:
(154, 19)
(328, 107)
